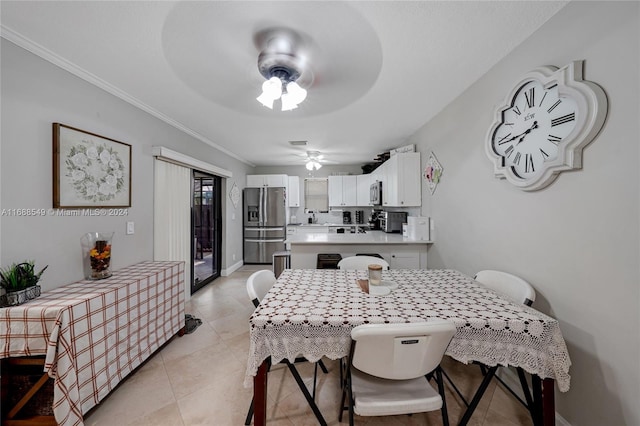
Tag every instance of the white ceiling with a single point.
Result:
(380, 69)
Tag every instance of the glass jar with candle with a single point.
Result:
(375, 274)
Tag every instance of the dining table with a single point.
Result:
(311, 313)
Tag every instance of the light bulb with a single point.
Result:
(309, 165)
(271, 90)
(293, 97)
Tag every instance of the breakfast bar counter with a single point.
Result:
(401, 252)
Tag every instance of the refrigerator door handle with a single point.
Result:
(265, 193)
(264, 241)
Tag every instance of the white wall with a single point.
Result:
(577, 241)
(35, 94)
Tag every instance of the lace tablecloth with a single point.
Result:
(311, 313)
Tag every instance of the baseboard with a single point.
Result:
(510, 377)
(230, 270)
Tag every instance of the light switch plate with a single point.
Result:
(130, 228)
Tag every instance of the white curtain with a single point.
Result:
(172, 216)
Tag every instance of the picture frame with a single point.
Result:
(89, 170)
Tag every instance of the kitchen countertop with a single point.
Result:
(330, 225)
(370, 237)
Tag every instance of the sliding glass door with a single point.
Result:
(206, 229)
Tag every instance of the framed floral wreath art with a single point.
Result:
(89, 170)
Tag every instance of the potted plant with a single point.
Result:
(20, 282)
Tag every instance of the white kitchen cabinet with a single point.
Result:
(363, 189)
(342, 191)
(312, 229)
(401, 180)
(403, 260)
(293, 191)
(259, 181)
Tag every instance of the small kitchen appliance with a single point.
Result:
(346, 217)
(392, 221)
(374, 220)
(375, 193)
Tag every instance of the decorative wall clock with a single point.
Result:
(546, 120)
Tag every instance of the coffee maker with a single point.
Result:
(346, 217)
(374, 219)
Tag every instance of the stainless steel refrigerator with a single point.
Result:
(264, 223)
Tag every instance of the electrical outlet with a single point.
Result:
(233, 256)
(130, 228)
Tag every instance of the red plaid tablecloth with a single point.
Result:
(94, 333)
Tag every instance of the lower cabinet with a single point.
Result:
(403, 260)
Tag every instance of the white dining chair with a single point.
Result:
(507, 284)
(521, 291)
(361, 262)
(390, 366)
(258, 285)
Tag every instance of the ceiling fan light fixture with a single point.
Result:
(281, 64)
(271, 90)
(313, 165)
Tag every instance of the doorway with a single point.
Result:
(206, 229)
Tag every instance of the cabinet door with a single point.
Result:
(349, 190)
(276, 180)
(404, 260)
(335, 191)
(293, 191)
(255, 181)
(363, 186)
(409, 180)
(390, 196)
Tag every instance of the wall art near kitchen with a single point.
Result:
(234, 195)
(432, 172)
(89, 170)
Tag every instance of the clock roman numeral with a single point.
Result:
(528, 164)
(564, 119)
(529, 97)
(516, 159)
(508, 124)
(544, 154)
(516, 110)
(542, 100)
(509, 151)
(552, 107)
(554, 139)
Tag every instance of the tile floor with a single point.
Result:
(197, 379)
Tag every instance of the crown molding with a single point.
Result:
(46, 54)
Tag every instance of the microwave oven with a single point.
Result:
(375, 194)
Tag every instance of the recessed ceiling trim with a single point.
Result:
(44, 53)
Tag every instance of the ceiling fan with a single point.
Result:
(314, 159)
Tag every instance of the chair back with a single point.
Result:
(258, 284)
(509, 285)
(400, 351)
(361, 262)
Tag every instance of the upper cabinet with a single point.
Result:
(259, 181)
(363, 189)
(400, 176)
(342, 191)
(293, 191)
